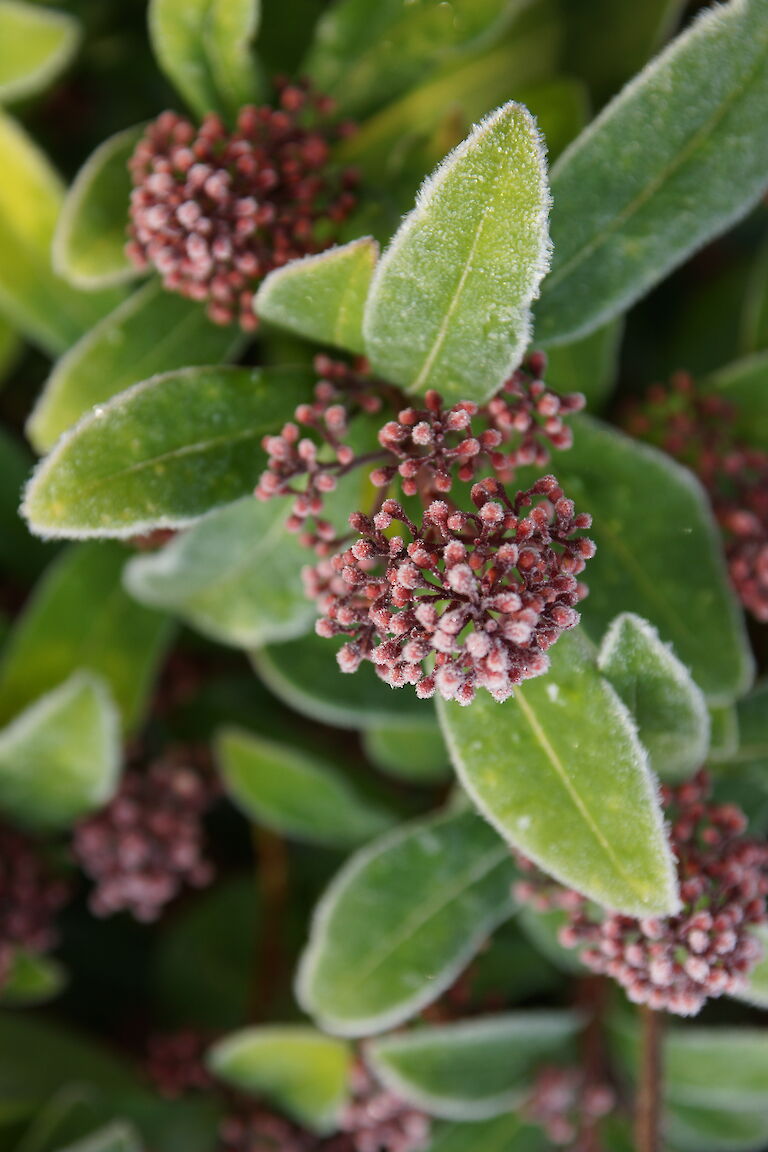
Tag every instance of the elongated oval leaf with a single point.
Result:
(301, 1071)
(322, 297)
(588, 365)
(364, 55)
(474, 1069)
(151, 332)
(89, 243)
(80, 617)
(438, 888)
(36, 44)
(235, 576)
(40, 304)
(679, 155)
(120, 1136)
(205, 48)
(32, 979)
(161, 454)
(449, 303)
(502, 1132)
(305, 675)
(295, 793)
(414, 752)
(59, 758)
(723, 732)
(664, 562)
(668, 707)
(559, 771)
(744, 385)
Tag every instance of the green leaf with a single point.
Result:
(669, 164)
(724, 732)
(755, 991)
(205, 47)
(415, 752)
(501, 1134)
(116, 1137)
(755, 314)
(449, 303)
(322, 297)
(219, 929)
(670, 710)
(664, 563)
(161, 454)
(365, 55)
(744, 384)
(560, 773)
(438, 887)
(298, 1069)
(234, 576)
(36, 44)
(474, 1069)
(752, 725)
(10, 348)
(588, 365)
(59, 759)
(297, 794)
(304, 674)
(21, 556)
(32, 980)
(80, 617)
(40, 304)
(89, 243)
(151, 332)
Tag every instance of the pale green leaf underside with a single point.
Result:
(32, 979)
(79, 617)
(235, 576)
(668, 707)
(296, 1068)
(59, 758)
(472, 1070)
(304, 673)
(205, 49)
(414, 752)
(161, 454)
(299, 795)
(664, 563)
(678, 156)
(322, 297)
(45, 308)
(559, 771)
(449, 303)
(36, 44)
(153, 331)
(438, 889)
(89, 243)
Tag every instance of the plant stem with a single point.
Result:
(272, 880)
(648, 1106)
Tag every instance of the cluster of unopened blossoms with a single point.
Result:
(30, 897)
(698, 430)
(708, 948)
(481, 594)
(567, 1106)
(148, 842)
(214, 210)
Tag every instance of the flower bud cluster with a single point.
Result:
(253, 1128)
(698, 430)
(708, 949)
(483, 593)
(339, 393)
(214, 210)
(30, 897)
(567, 1106)
(175, 1063)
(377, 1120)
(148, 843)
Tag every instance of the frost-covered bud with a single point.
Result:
(461, 591)
(148, 843)
(376, 1120)
(30, 897)
(567, 1105)
(215, 210)
(708, 948)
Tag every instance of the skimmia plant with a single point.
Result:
(383, 763)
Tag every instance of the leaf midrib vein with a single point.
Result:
(578, 803)
(642, 198)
